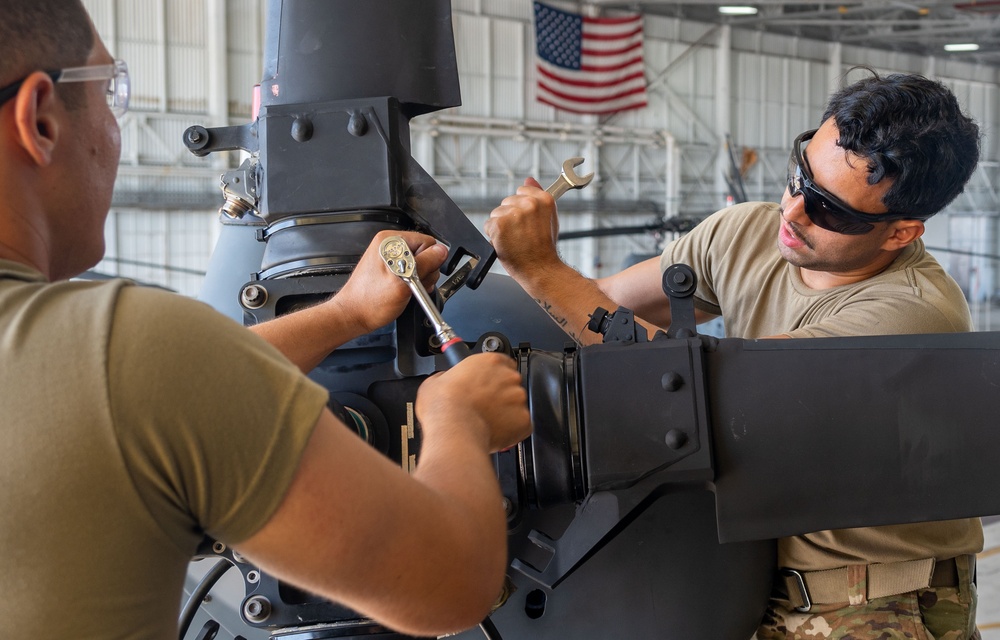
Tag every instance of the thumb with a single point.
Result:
(531, 182)
(430, 260)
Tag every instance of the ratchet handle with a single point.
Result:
(455, 350)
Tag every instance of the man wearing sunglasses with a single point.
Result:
(840, 255)
(135, 421)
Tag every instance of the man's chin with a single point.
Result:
(791, 256)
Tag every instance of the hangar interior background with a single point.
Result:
(756, 81)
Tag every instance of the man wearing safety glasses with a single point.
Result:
(135, 421)
(841, 255)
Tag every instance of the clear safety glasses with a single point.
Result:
(116, 75)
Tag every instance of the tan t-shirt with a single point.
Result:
(742, 276)
(134, 422)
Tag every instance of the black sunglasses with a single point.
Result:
(822, 207)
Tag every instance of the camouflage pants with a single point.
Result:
(947, 613)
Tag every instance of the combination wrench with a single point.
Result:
(568, 179)
(400, 260)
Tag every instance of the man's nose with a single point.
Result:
(793, 208)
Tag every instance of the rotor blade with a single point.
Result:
(830, 433)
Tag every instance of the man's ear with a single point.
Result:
(36, 109)
(903, 233)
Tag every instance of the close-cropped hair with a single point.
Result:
(911, 130)
(42, 35)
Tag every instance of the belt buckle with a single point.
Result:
(807, 602)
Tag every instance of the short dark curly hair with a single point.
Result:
(911, 130)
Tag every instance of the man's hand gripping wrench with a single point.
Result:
(400, 260)
(397, 256)
(567, 180)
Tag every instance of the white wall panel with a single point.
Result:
(245, 26)
(103, 13)
(507, 44)
(186, 22)
(186, 56)
(473, 51)
(187, 86)
(141, 44)
(519, 10)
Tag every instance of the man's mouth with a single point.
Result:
(791, 236)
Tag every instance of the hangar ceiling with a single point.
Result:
(912, 27)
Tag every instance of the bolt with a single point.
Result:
(234, 208)
(357, 126)
(254, 296)
(218, 547)
(302, 129)
(257, 609)
(671, 381)
(194, 136)
(508, 506)
(675, 439)
(492, 343)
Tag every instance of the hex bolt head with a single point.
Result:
(253, 296)
(257, 609)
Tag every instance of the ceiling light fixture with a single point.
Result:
(737, 10)
(971, 46)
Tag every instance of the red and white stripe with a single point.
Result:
(611, 76)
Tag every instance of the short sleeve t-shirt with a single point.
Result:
(742, 276)
(136, 422)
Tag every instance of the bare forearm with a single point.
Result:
(470, 534)
(445, 568)
(306, 337)
(424, 557)
(570, 299)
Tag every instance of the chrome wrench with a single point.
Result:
(568, 179)
(400, 260)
